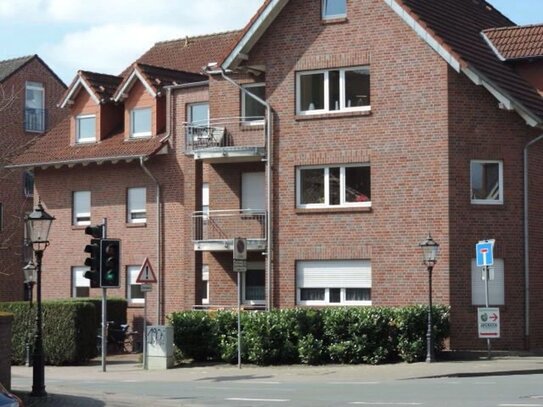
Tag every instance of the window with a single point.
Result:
(333, 186)
(330, 282)
(198, 114)
(28, 184)
(81, 208)
(136, 200)
(205, 200)
(34, 107)
(80, 284)
(85, 129)
(339, 90)
(254, 283)
(496, 294)
(134, 295)
(486, 182)
(205, 284)
(140, 122)
(253, 191)
(252, 111)
(334, 9)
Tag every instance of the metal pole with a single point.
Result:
(145, 365)
(239, 320)
(429, 336)
(487, 303)
(38, 368)
(104, 308)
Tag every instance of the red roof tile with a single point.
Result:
(517, 42)
(54, 148)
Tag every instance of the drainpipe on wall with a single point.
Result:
(269, 162)
(526, 241)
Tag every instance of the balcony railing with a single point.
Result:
(232, 133)
(35, 120)
(226, 225)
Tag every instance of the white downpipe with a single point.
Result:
(269, 203)
(526, 242)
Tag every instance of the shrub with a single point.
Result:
(116, 308)
(195, 335)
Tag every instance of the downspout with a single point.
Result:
(158, 241)
(269, 163)
(526, 242)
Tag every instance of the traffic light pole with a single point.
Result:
(104, 308)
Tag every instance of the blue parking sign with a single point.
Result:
(484, 253)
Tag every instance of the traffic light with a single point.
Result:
(110, 263)
(95, 231)
(93, 262)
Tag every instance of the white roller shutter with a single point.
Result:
(253, 190)
(333, 274)
(79, 280)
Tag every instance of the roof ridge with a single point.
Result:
(201, 36)
(27, 57)
(98, 73)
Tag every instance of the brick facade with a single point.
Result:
(13, 140)
(427, 122)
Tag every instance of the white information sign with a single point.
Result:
(488, 320)
(145, 288)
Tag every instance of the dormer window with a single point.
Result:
(334, 9)
(140, 122)
(85, 129)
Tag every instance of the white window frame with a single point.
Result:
(78, 277)
(252, 266)
(326, 110)
(332, 16)
(80, 218)
(205, 283)
(496, 284)
(130, 210)
(326, 203)
(78, 138)
(189, 113)
(253, 189)
(244, 96)
(36, 86)
(143, 133)
(326, 301)
(205, 201)
(500, 183)
(132, 273)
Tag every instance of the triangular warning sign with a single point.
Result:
(146, 275)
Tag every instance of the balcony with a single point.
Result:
(239, 139)
(34, 120)
(216, 230)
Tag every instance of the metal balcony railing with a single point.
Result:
(228, 224)
(229, 132)
(35, 120)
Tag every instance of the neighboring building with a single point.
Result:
(29, 91)
(389, 119)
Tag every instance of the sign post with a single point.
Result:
(146, 277)
(484, 255)
(240, 266)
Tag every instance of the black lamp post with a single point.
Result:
(38, 224)
(429, 251)
(30, 280)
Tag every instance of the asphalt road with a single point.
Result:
(506, 382)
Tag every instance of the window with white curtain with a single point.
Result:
(333, 282)
(81, 208)
(80, 284)
(134, 295)
(136, 205)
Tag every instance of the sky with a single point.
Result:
(108, 35)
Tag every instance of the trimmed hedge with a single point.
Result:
(312, 336)
(70, 327)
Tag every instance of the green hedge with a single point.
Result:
(303, 335)
(116, 308)
(69, 330)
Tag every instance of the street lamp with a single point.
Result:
(429, 252)
(30, 280)
(38, 224)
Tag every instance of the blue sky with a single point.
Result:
(107, 35)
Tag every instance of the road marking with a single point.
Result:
(484, 383)
(520, 405)
(384, 403)
(262, 400)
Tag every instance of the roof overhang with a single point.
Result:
(253, 33)
(74, 90)
(129, 82)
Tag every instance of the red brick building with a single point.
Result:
(29, 91)
(333, 135)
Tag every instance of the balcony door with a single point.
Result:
(253, 191)
(34, 107)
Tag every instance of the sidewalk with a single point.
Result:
(125, 368)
